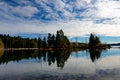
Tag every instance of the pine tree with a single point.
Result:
(91, 40)
(49, 40)
(44, 44)
(97, 40)
(39, 43)
(53, 41)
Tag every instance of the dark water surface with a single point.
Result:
(60, 65)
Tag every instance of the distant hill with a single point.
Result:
(115, 44)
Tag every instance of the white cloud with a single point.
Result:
(100, 9)
(59, 5)
(90, 13)
(6, 8)
(108, 9)
(43, 4)
(8, 11)
(5, 12)
(51, 14)
(82, 3)
(26, 11)
(71, 28)
(23, 2)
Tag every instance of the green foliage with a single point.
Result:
(49, 40)
(93, 40)
(61, 40)
(97, 40)
(58, 41)
(52, 41)
(44, 44)
(39, 43)
(65, 42)
(18, 42)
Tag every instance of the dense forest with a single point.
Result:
(52, 41)
(57, 41)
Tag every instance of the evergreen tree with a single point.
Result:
(49, 40)
(58, 40)
(97, 40)
(44, 44)
(39, 43)
(91, 40)
(65, 42)
(53, 41)
(61, 40)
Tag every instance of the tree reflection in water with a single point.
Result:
(50, 56)
(95, 54)
(1, 53)
(58, 56)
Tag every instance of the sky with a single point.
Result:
(75, 17)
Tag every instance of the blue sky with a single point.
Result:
(75, 17)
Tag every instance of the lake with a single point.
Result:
(60, 65)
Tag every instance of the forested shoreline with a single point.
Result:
(52, 41)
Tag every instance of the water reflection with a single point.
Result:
(59, 57)
(16, 56)
(96, 64)
(1, 53)
(95, 54)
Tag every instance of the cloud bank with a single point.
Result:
(76, 18)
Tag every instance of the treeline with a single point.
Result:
(94, 42)
(18, 42)
(58, 40)
(52, 41)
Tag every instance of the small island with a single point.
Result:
(94, 42)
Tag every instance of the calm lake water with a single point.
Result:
(60, 65)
